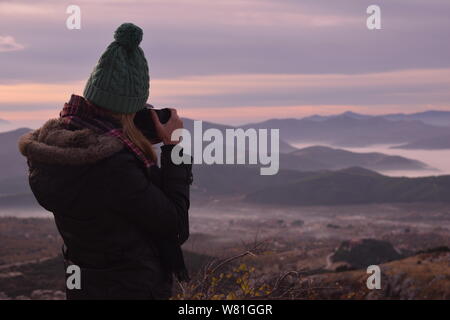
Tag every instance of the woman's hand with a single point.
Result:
(164, 131)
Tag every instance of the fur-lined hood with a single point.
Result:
(54, 144)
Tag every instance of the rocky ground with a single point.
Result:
(327, 251)
(421, 276)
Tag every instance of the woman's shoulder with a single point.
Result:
(125, 164)
(122, 159)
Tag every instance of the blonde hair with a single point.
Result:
(135, 135)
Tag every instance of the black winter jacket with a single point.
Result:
(122, 224)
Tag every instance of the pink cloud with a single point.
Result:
(8, 43)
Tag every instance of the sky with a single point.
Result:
(234, 61)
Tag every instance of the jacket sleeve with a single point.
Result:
(161, 212)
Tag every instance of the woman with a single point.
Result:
(121, 217)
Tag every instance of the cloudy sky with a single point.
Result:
(235, 61)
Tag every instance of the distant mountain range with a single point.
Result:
(432, 117)
(352, 130)
(2, 121)
(423, 130)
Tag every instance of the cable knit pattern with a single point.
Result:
(120, 80)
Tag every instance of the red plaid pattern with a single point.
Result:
(81, 113)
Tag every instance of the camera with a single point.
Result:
(144, 122)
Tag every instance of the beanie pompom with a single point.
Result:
(128, 35)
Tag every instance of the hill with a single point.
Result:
(353, 186)
(424, 275)
(12, 163)
(433, 143)
(326, 158)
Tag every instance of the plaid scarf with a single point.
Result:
(81, 113)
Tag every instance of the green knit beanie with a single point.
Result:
(120, 80)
